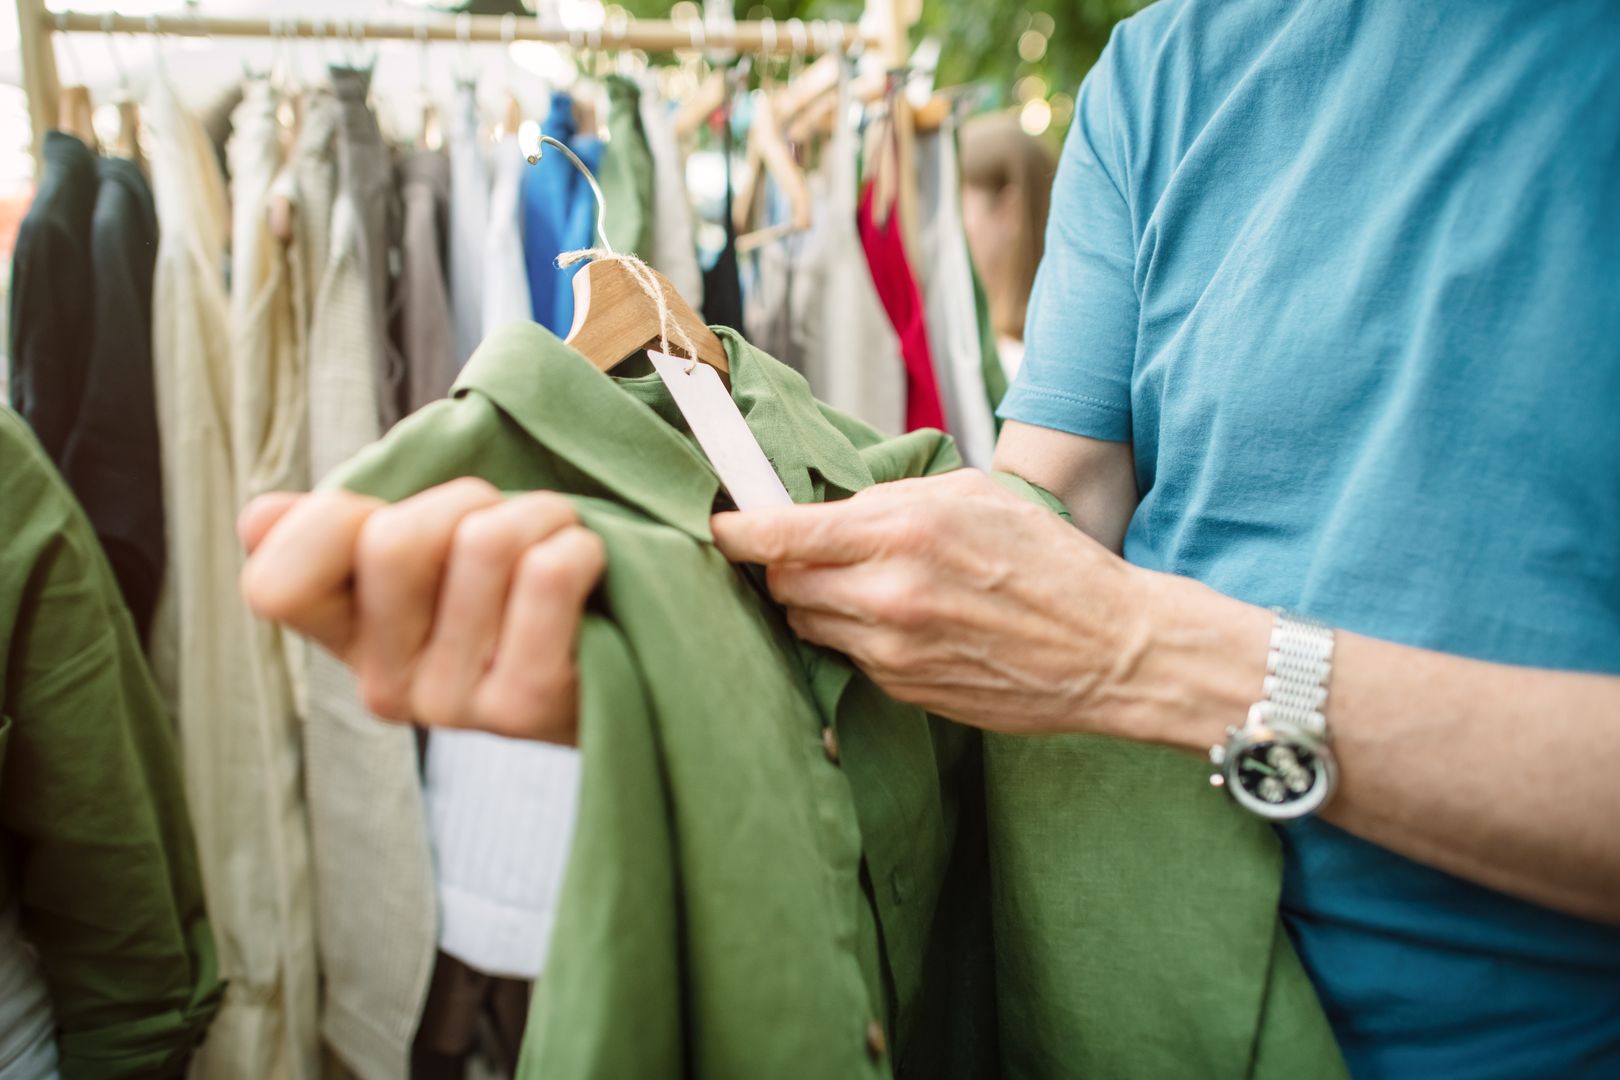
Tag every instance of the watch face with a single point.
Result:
(1279, 772)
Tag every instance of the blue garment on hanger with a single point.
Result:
(559, 215)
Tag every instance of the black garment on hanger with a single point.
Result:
(113, 460)
(722, 288)
(51, 294)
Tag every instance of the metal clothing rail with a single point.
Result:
(894, 19)
(36, 24)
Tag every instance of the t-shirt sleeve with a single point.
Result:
(1080, 334)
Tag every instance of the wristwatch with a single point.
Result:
(1280, 763)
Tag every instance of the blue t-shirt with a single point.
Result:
(1347, 278)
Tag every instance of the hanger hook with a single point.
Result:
(767, 36)
(68, 47)
(596, 189)
(157, 47)
(112, 52)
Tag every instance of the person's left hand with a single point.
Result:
(956, 595)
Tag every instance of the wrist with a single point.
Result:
(1197, 663)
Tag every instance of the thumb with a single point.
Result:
(261, 514)
(833, 534)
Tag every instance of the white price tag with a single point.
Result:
(722, 432)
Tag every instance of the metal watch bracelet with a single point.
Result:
(1297, 668)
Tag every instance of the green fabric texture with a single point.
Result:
(739, 904)
(995, 376)
(626, 171)
(95, 842)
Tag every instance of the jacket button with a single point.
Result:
(829, 743)
(876, 1044)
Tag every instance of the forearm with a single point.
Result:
(1499, 774)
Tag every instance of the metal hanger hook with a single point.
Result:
(596, 189)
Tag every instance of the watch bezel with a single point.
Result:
(1257, 733)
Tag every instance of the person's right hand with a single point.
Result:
(458, 607)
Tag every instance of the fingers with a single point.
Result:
(302, 567)
(842, 532)
(261, 514)
(532, 686)
(403, 550)
(485, 555)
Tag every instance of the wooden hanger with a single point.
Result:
(767, 147)
(615, 315)
(128, 144)
(73, 114)
(615, 318)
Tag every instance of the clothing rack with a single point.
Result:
(894, 19)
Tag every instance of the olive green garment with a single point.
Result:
(95, 843)
(736, 903)
(995, 376)
(716, 917)
(626, 171)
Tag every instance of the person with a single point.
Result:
(1006, 193)
(1326, 322)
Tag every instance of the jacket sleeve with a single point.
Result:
(98, 845)
(1032, 493)
(620, 896)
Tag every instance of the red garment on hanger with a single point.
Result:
(897, 288)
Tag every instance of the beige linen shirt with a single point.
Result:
(240, 762)
(373, 874)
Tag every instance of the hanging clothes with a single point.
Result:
(674, 238)
(270, 388)
(427, 328)
(897, 288)
(950, 312)
(815, 306)
(559, 214)
(27, 1023)
(669, 886)
(506, 293)
(469, 1013)
(241, 773)
(626, 172)
(992, 356)
(112, 461)
(500, 813)
(470, 214)
(115, 965)
(365, 180)
(365, 801)
(51, 300)
(828, 864)
(722, 285)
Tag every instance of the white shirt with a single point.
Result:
(500, 812)
(27, 1027)
(949, 308)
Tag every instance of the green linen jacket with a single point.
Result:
(780, 871)
(95, 842)
(626, 172)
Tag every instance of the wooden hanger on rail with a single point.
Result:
(623, 306)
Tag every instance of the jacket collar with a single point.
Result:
(627, 436)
